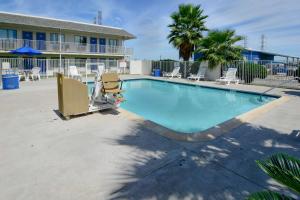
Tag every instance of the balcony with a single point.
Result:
(65, 47)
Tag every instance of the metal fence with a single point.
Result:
(266, 72)
(48, 67)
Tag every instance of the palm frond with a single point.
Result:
(283, 168)
(186, 28)
(219, 47)
(268, 195)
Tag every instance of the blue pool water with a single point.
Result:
(186, 108)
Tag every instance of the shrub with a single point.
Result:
(248, 71)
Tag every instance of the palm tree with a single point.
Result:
(186, 29)
(219, 47)
(283, 168)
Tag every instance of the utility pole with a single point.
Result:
(245, 42)
(263, 42)
(99, 17)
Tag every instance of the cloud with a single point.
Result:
(148, 20)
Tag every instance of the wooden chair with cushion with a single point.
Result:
(111, 83)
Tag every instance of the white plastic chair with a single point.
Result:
(229, 77)
(73, 73)
(200, 74)
(35, 73)
(6, 68)
(174, 73)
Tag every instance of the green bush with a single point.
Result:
(248, 71)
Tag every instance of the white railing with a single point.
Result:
(65, 47)
(49, 67)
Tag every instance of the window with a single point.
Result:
(54, 37)
(80, 39)
(112, 42)
(8, 33)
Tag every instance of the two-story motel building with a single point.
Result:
(62, 39)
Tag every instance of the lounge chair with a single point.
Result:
(35, 73)
(229, 77)
(200, 74)
(73, 73)
(111, 83)
(174, 73)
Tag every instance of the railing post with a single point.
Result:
(47, 67)
(160, 66)
(68, 67)
(184, 69)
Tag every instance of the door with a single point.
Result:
(41, 63)
(93, 44)
(28, 63)
(102, 45)
(27, 38)
(93, 67)
(41, 41)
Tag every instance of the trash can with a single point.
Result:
(156, 72)
(10, 81)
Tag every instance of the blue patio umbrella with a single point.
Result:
(26, 51)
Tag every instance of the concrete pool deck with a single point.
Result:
(108, 156)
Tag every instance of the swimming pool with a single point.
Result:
(186, 108)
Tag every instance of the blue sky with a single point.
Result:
(278, 20)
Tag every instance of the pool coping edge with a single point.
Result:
(210, 133)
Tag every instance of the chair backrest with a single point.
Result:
(110, 81)
(231, 72)
(201, 71)
(73, 71)
(176, 70)
(110, 77)
(6, 66)
(35, 70)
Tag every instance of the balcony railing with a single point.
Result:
(65, 47)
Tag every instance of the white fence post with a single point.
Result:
(47, 63)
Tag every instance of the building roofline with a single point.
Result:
(62, 20)
(48, 22)
(271, 53)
